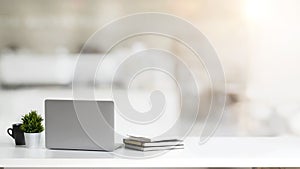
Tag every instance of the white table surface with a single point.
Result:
(217, 152)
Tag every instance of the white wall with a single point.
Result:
(274, 73)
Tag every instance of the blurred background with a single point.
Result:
(257, 42)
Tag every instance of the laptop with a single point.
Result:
(79, 125)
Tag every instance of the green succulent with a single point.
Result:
(32, 122)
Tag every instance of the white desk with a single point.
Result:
(217, 152)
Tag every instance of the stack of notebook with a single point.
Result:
(147, 144)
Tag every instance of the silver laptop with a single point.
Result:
(79, 125)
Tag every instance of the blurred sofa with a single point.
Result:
(27, 80)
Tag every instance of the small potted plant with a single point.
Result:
(32, 127)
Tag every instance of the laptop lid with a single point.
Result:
(79, 124)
